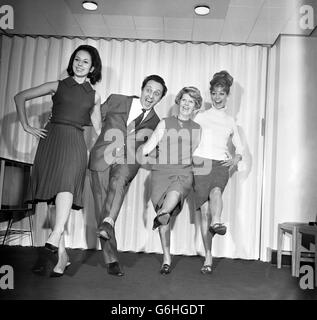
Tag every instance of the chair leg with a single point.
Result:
(294, 244)
(298, 253)
(7, 231)
(31, 228)
(280, 234)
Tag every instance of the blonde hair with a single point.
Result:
(193, 92)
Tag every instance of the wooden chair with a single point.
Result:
(292, 229)
(14, 180)
(295, 229)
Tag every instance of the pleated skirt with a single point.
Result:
(59, 165)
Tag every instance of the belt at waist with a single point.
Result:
(68, 123)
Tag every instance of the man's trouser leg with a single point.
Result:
(99, 184)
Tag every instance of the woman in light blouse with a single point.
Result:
(217, 127)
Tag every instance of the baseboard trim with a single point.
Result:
(286, 257)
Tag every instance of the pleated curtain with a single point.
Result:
(31, 61)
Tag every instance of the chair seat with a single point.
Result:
(289, 226)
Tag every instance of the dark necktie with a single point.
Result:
(134, 123)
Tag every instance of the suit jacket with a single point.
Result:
(115, 112)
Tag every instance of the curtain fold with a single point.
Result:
(28, 61)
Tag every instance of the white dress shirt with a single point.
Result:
(136, 110)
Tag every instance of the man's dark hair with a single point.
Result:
(155, 78)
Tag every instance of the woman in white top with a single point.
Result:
(213, 162)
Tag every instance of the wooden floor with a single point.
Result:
(86, 279)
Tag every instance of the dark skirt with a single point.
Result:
(204, 182)
(164, 181)
(59, 165)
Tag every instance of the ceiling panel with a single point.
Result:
(207, 30)
(59, 16)
(148, 22)
(90, 20)
(280, 3)
(122, 33)
(246, 3)
(242, 13)
(119, 21)
(237, 30)
(274, 14)
(181, 34)
(156, 34)
(265, 31)
(96, 32)
(178, 23)
(92, 25)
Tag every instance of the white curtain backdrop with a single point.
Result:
(28, 61)
(290, 182)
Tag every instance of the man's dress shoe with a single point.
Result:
(114, 269)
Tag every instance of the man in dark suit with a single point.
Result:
(127, 123)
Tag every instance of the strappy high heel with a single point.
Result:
(51, 247)
(206, 269)
(59, 274)
(218, 228)
(157, 222)
(165, 269)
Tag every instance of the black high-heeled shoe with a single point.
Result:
(157, 222)
(218, 228)
(51, 247)
(114, 269)
(59, 274)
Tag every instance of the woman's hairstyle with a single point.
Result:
(193, 92)
(155, 78)
(221, 79)
(95, 75)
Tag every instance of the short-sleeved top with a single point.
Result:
(73, 102)
(177, 145)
